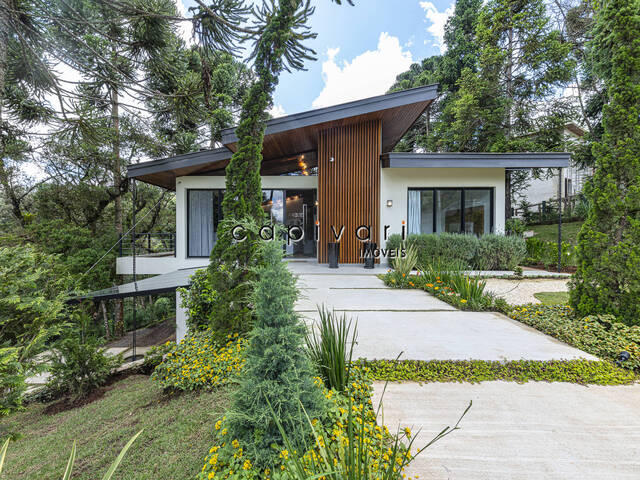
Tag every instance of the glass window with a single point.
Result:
(204, 213)
(449, 211)
(477, 211)
(273, 205)
(443, 209)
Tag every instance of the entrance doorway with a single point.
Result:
(301, 210)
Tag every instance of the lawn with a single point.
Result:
(176, 438)
(553, 298)
(549, 233)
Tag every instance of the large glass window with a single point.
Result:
(204, 211)
(273, 205)
(454, 210)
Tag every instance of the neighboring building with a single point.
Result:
(573, 177)
(327, 169)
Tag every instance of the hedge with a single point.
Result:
(489, 252)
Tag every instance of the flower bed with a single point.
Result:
(600, 335)
(199, 362)
(521, 371)
(350, 418)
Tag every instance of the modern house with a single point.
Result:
(330, 171)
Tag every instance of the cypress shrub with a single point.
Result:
(278, 373)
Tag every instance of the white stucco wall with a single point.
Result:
(394, 183)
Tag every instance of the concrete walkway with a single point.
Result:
(416, 324)
(531, 431)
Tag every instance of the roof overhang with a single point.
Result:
(166, 282)
(510, 161)
(290, 137)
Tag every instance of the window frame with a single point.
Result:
(462, 190)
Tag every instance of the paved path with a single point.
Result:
(518, 292)
(418, 325)
(532, 431)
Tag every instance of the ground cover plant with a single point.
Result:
(521, 371)
(200, 361)
(176, 431)
(600, 335)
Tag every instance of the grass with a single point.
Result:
(553, 298)
(549, 233)
(177, 432)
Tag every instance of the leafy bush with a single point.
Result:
(198, 300)
(515, 226)
(546, 253)
(155, 355)
(499, 252)
(473, 371)
(278, 372)
(157, 312)
(447, 247)
(599, 335)
(199, 361)
(331, 348)
(12, 380)
(78, 367)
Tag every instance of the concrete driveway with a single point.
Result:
(513, 431)
(416, 324)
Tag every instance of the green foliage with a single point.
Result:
(489, 252)
(607, 280)
(150, 314)
(499, 252)
(12, 380)
(404, 265)
(278, 371)
(155, 355)
(546, 253)
(200, 362)
(330, 348)
(78, 366)
(599, 335)
(515, 226)
(198, 300)
(473, 371)
(32, 308)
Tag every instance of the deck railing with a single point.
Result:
(147, 243)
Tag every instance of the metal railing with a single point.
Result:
(147, 244)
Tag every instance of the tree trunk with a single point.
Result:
(105, 318)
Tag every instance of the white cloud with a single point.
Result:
(277, 111)
(438, 20)
(368, 74)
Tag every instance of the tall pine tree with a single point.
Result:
(608, 275)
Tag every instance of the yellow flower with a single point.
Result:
(407, 432)
(463, 301)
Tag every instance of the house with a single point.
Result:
(572, 180)
(332, 175)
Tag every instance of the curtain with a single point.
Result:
(200, 220)
(414, 212)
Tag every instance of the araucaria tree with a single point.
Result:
(279, 46)
(608, 275)
(278, 373)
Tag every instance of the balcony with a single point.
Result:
(155, 253)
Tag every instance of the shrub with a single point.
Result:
(12, 380)
(79, 366)
(599, 335)
(155, 355)
(546, 253)
(331, 348)
(278, 372)
(405, 265)
(447, 247)
(515, 226)
(198, 300)
(199, 361)
(499, 252)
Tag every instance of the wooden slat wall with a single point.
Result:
(349, 187)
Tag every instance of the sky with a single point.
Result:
(360, 50)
